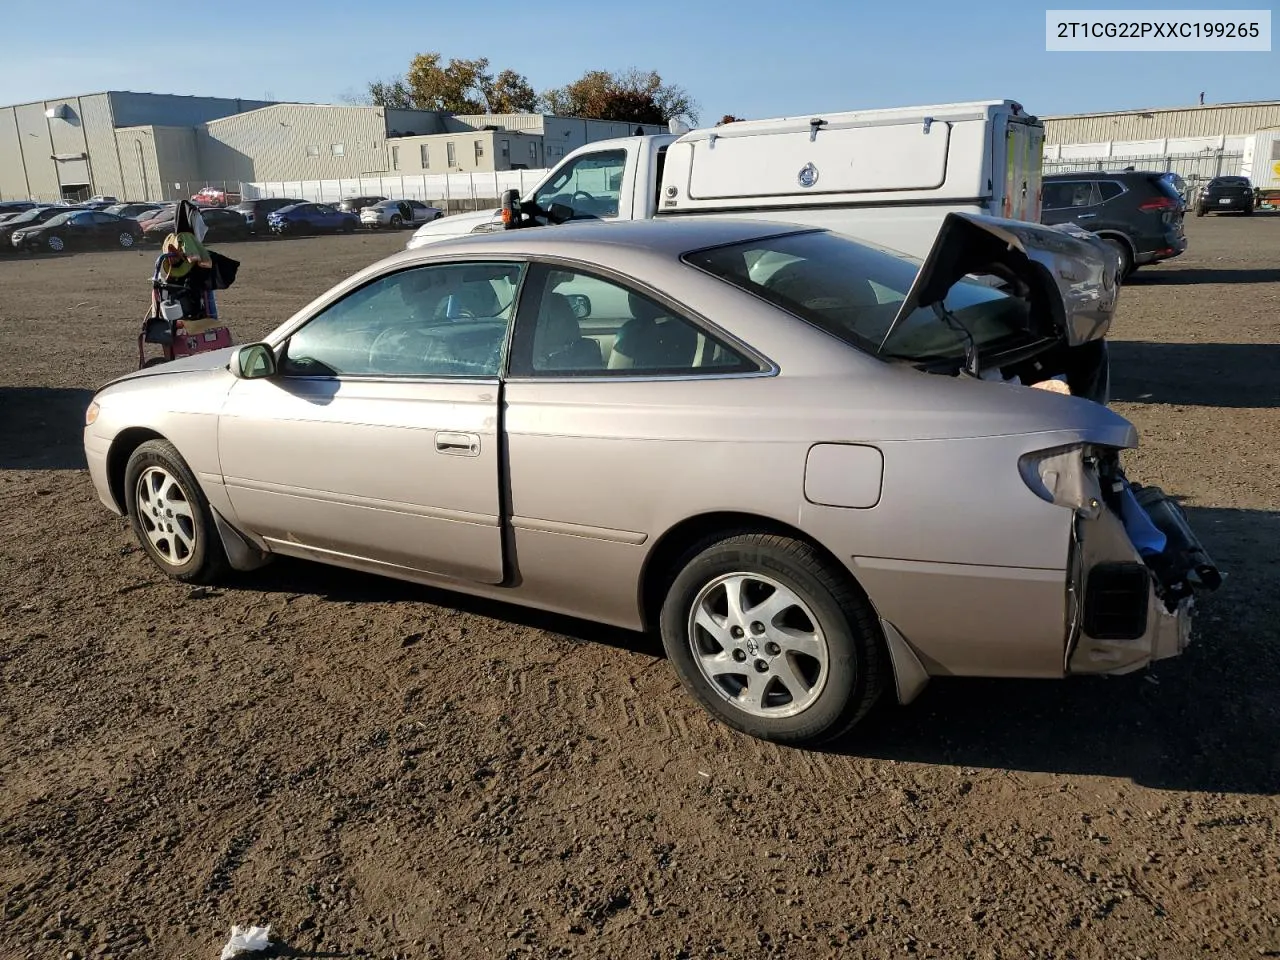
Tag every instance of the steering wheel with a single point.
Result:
(582, 194)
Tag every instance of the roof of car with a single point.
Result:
(664, 236)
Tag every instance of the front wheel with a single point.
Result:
(772, 639)
(170, 516)
(1200, 211)
(397, 221)
(56, 244)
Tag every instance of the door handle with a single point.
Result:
(1085, 216)
(458, 444)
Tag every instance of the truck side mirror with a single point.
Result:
(510, 209)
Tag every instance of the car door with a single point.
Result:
(325, 217)
(84, 231)
(600, 378)
(378, 438)
(420, 212)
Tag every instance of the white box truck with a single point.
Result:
(1261, 164)
(889, 177)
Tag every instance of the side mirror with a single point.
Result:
(253, 361)
(510, 209)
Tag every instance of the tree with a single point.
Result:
(635, 95)
(510, 92)
(393, 94)
(728, 118)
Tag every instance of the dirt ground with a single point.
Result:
(379, 770)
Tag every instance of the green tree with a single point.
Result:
(394, 94)
(729, 118)
(635, 95)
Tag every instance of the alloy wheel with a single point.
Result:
(164, 510)
(759, 645)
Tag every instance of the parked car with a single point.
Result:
(1139, 213)
(25, 220)
(78, 230)
(215, 197)
(1223, 194)
(774, 446)
(255, 212)
(398, 213)
(134, 211)
(223, 226)
(103, 198)
(17, 206)
(356, 204)
(311, 218)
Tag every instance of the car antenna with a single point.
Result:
(972, 363)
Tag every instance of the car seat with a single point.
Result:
(651, 340)
(558, 343)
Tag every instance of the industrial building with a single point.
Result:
(1163, 123)
(102, 143)
(157, 146)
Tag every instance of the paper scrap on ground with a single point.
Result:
(246, 940)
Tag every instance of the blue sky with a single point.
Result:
(750, 58)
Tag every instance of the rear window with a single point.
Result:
(1166, 186)
(854, 292)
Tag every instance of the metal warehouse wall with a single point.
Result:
(170, 110)
(140, 167)
(13, 180)
(36, 145)
(1207, 121)
(293, 141)
(100, 138)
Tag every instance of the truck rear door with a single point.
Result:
(1020, 144)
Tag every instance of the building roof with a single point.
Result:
(1140, 111)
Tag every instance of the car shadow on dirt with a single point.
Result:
(1168, 276)
(287, 575)
(41, 428)
(1206, 721)
(1195, 374)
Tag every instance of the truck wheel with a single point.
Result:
(771, 639)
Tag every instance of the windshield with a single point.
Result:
(29, 215)
(853, 292)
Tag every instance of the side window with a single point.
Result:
(1109, 190)
(590, 185)
(103, 218)
(438, 321)
(1069, 193)
(577, 324)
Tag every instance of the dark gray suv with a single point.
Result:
(1139, 213)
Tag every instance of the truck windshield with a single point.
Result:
(853, 292)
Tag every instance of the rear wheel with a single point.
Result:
(170, 516)
(126, 240)
(771, 639)
(1123, 254)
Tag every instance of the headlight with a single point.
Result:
(1064, 476)
(91, 414)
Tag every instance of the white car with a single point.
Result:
(398, 213)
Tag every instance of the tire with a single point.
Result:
(1200, 210)
(397, 221)
(830, 620)
(1123, 253)
(1248, 211)
(126, 240)
(181, 541)
(55, 244)
(153, 362)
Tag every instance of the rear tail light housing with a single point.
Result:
(1065, 476)
(1159, 205)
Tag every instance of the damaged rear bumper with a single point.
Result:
(1128, 608)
